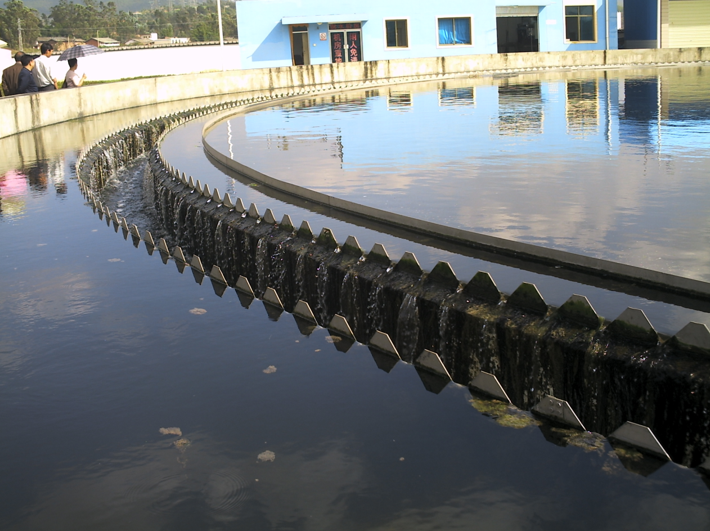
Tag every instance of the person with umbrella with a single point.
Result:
(72, 79)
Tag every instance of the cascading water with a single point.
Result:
(408, 328)
(447, 340)
(278, 271)
(486, 350)
(350, 301)
(300, 275)
(245, 256)
(321, 309)
(204, 246)
(176, 221)
(220, 248)
(261, 264)
(187, 235)
(374, 305)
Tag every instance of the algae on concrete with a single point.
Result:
(503, 414)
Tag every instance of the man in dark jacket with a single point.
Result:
(10, 76)
(26, 83)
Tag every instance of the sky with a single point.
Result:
(44, 6)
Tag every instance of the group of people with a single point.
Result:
(33, 73)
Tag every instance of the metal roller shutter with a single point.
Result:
(688, 23)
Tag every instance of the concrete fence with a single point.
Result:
(27, 112)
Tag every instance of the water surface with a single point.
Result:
(606, 164)
(102, 345)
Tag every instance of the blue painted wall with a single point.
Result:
(265, 41)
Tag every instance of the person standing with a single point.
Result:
(72, 79)
(10, 76)
(42, 71)
(25, 81)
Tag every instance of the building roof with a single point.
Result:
(306, 19)
(58, 39)
(104, 40)
(140, 41)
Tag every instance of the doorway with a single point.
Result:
(300, 52)
(345, 42)
(517, 34)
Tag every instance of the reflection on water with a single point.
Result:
(13, 188)
(35, 178)
(100, 348)
(456, 97)
(608, 164)
(582, 110)
(520, 110)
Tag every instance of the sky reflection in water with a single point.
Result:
(612, 166)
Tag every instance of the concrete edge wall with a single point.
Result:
(27, 112)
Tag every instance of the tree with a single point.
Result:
(29, 20)
(126, 26)
(91, 19)
(109, 19)
(76, 20)
(205, 31)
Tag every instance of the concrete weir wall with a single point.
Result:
(565, 363)
(27, 112)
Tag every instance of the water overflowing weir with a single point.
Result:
(609, 373)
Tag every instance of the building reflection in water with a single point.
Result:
(15, 185)
(44, 173)
(582, 107)
(456, 96)
(639, 112)
(520, 110)
(399, 100)
(13, 192)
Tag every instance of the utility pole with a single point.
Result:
(221, 34)
(19, 34)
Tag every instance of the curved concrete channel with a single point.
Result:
(565, 363)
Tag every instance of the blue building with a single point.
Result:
(274, 33)
(666, 23)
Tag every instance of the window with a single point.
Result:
(396, 33)
(453, 31)
(579, 24)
